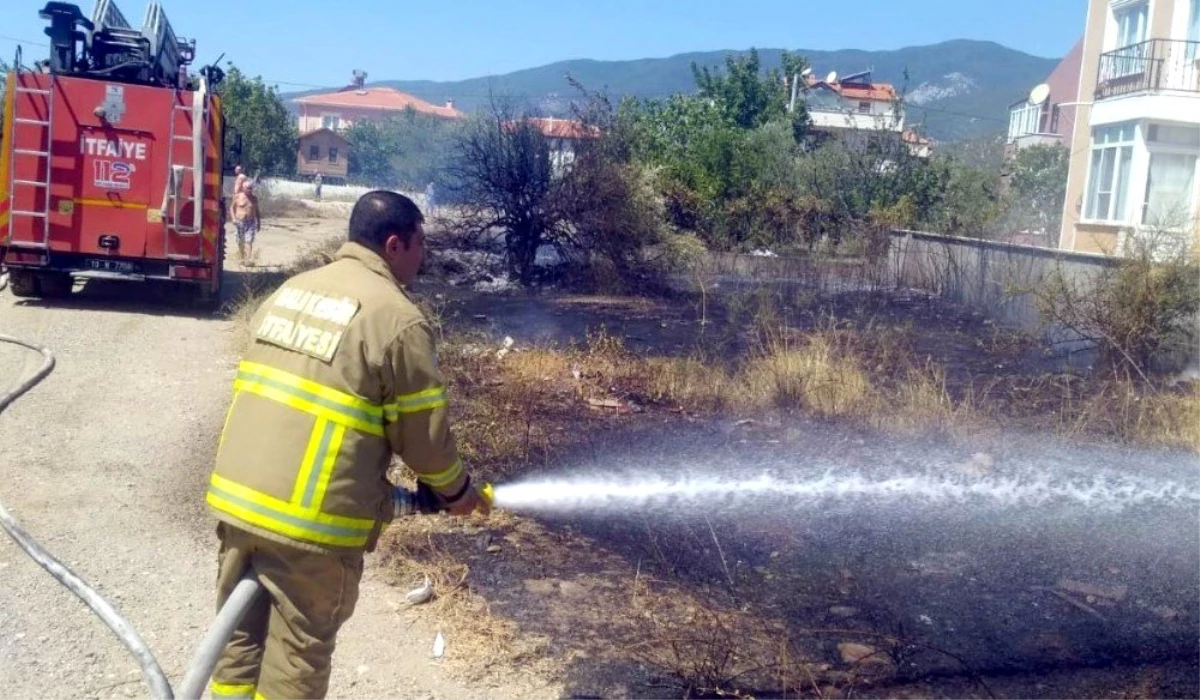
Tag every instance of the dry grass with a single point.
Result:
(569, 598)
(1126, 409)
(709, 650)
(873, 379)
(258, 286)
(515, 411)
(820, 374)
(273, 206)
(415, 549)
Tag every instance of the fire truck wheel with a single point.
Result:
(55, 284)
(204, 299)
(24, 284)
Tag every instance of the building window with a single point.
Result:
(864, 107)
(1108, 176)
(1169, 190)
(1172, 175)
(1024, 120)
(314, 152)
(330, 121)
(333, 154)
(1132, 54)
(1131, 23)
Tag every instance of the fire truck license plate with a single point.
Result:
(112, 265)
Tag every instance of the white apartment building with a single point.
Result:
(1135, 146)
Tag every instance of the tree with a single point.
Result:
(749, 99)
(608, 201)
(872, 173)
(370, 148)
(410, 150)
(421, 147)
(500, 170)
(972, 203)
(258, 113)
(1037, 188)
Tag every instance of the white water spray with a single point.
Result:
(600, 494)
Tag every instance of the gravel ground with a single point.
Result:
(104, 463)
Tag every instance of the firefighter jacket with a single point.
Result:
(341, 374)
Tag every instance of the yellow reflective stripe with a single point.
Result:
(248, 493)
(309, 386)
(267, 512)
(311, 397)
(230, 690)
(320, 457)
(109, 203)
(419, 401)
(326, 471)
(443, 478)
(308, 462)
(228, 415)
(258, 696)
(371, 425)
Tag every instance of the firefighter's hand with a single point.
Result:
(470, 502)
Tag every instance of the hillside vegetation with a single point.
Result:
(978, 79)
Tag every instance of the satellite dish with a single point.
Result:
(806, 72)
(832, 77)
(1039, 94)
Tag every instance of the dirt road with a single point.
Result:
(105, 462)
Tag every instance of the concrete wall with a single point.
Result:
(993, 278)
(997, 279)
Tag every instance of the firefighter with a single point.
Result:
(341, 374)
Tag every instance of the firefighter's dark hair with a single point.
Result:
(379, 214)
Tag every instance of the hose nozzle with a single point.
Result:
(425, 501)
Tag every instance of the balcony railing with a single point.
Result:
(1025, 119)
(1151, 66)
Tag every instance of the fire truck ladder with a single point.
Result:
(40, 156)
(182, 174)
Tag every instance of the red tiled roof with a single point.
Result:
(554, 128)
(874, 91)
(563, 128)
(910, 136)
(385, 99)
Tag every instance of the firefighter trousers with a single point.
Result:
(283, 647)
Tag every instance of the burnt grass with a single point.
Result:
(754, 599)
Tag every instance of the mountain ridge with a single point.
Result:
(969, 83)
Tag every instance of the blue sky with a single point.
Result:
(319, 43)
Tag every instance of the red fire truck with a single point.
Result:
(111, 159)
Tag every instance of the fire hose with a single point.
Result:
(247, 590)
(218, 633)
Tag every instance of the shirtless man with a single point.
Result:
(240, 181)
(243, 211)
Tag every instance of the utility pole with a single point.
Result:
(795, 88)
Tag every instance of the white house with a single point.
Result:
(853, 102)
